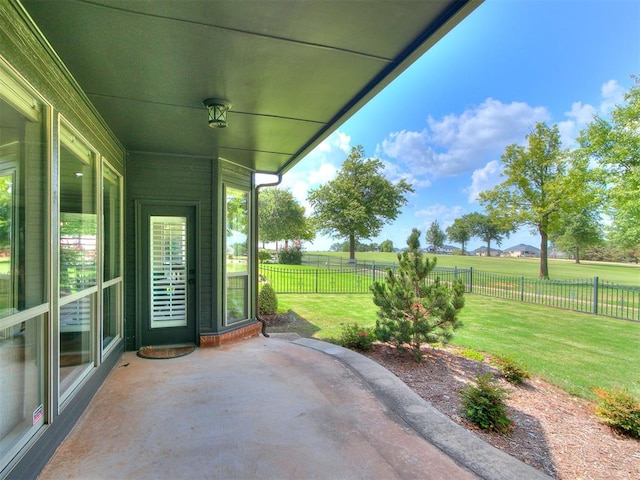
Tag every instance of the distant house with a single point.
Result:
(447, 249)
(521, 251)
(443, 250)
(482, 252)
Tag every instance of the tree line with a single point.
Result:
(578, 199)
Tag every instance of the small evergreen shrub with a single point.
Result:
(414, 308)
(356, 337)
(291, 255)
(511, 370)
(267, 300)
(619, 409)
(483, 404)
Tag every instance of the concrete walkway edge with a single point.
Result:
(457, 442)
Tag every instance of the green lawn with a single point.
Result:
(572, 350)
(627, 274)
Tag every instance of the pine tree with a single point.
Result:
(413, 311)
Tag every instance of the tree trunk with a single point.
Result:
(577, 254)
(352, 248)
(489, 248)
(286, 244)
(544, 266)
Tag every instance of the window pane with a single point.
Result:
(111, 213)
(21, 378)
(168, 273)
(76, 332)
(237, 298)
(23, 199)
(237, 230)
(78, 222)
(237, 248)
(110, 313)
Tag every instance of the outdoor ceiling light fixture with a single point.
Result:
(217, 112)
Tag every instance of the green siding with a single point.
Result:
(172, 179)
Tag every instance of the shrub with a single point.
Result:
(356, 337)
(511, 370)
(291, 255)
(619, 409)
(263, 256)
(412, 309)
(267, 300)
(483, 404)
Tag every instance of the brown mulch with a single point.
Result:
(553, 431)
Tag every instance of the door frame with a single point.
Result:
(141, 293)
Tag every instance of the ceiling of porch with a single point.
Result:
(293, 70)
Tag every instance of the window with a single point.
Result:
(111, 207)
(78, 266)
(236, 254)
(23, 271)
(112, 256)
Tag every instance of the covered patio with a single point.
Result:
(131, 136)
(291, 408)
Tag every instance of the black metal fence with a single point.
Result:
(338, 276)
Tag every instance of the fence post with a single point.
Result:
(470, 279)
(595, 295)
(455, 273)
(316, 280)
(522, 288)
(373, 271)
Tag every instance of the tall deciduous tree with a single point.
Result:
(435, 236)
(359, 201)
(535, 190)
(615, 145)
(386, 246)
(460, 231)
(488, 228)
(281, 217)
(578, 230)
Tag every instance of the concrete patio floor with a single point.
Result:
(269, 408)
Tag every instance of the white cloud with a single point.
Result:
(612, 94)
(455, 145)
(318, 167)
(484, 179)
(445, 215)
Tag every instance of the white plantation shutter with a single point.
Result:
(168, 236)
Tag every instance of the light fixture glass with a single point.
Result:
(217, 112)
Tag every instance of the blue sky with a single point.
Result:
(444, 123)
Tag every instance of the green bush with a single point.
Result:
(267, 300)
(619, 409)
(263, 256)
(511, 370)
(483, 404)
(356, 337)
(291, 255)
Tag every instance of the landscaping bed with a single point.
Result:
(553, 431)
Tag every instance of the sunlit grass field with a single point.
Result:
(572, 350)
(626, 274)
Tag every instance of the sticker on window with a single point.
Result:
(37, 414)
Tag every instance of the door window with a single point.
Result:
(168, 272)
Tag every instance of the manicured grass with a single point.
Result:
(572, 350)
(626, 274)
